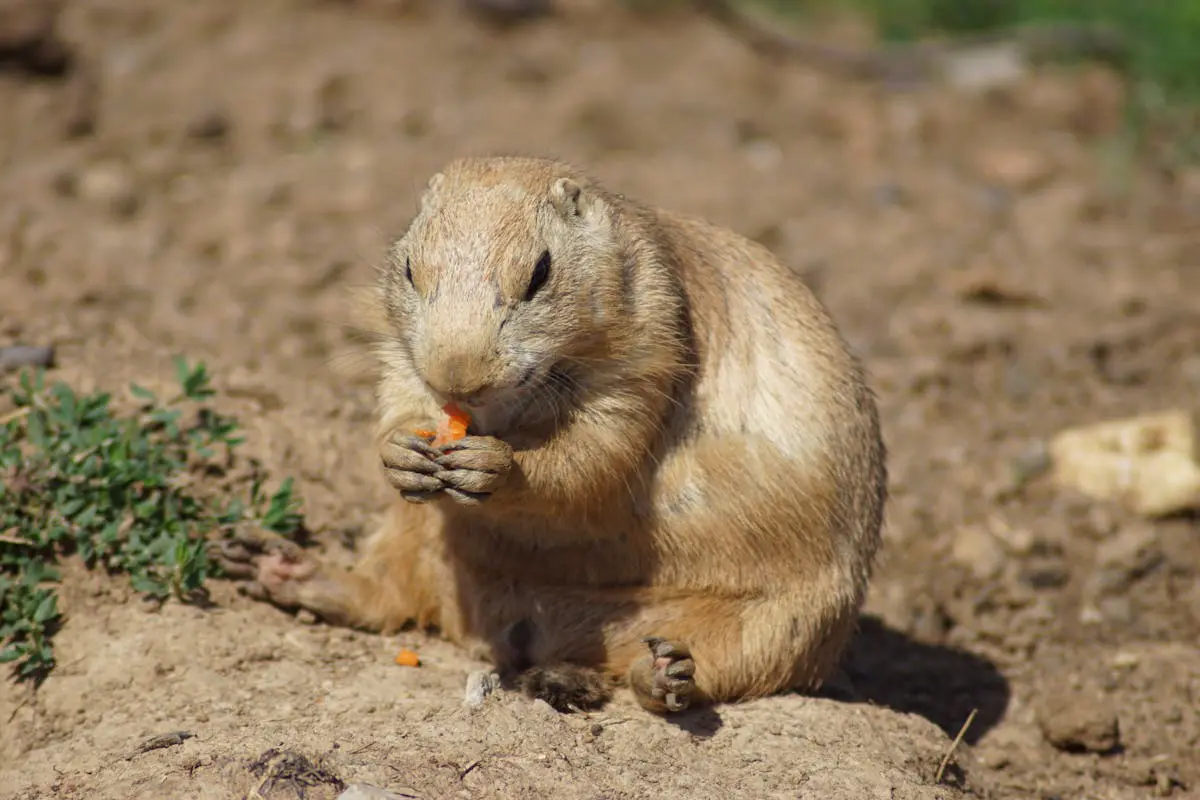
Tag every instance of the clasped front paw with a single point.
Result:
(468, 470)
(474, 467)
(410, 466)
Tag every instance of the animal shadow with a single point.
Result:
(703, 723)
(942, 684)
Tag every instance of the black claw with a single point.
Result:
(683, 668)
(662, 648)
(674, 703)
(678, 685)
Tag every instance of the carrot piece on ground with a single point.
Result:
(407, 658)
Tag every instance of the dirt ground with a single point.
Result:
(212, 177)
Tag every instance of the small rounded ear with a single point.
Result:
(432, 189)
(567, 197)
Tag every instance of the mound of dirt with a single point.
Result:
(273, 705)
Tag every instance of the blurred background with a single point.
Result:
(999, 201)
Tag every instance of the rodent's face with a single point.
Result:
(500, 292)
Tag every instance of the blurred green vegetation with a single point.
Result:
(1162, 37)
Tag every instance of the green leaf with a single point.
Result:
(47, 609)
(142, 393)
(12, 652)
(193, 380)
(35, 430)
(146, 583)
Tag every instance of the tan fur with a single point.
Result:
(717, 478)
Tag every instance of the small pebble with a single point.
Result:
(480, 684)
(1045, 575)
(978, 551)
(112, 186)
(1078, 724)
(18, 356)
(1126, 660)
(1032, 461)
(210, 126)
(1123, 560)
(890, 194)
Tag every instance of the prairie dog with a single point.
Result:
(674, 478)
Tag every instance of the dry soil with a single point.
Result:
(210, 178)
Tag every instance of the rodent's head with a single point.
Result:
(511, 274)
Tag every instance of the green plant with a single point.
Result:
(1161, 61)
(123, 492)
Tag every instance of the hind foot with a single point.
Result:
(277, 571)
(566, 687)
(664, 679)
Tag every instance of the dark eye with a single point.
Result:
(408, 270)
(541, 271)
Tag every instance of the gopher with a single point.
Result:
(674, 476)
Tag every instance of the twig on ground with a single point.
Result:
(24, 702)
(8, 537)
(954, 746)
(160, 741)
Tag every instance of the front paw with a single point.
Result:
(410, 466)
(474, 467)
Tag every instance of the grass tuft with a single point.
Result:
(123, 492)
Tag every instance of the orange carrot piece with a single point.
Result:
(407, 658)
(453, 427)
